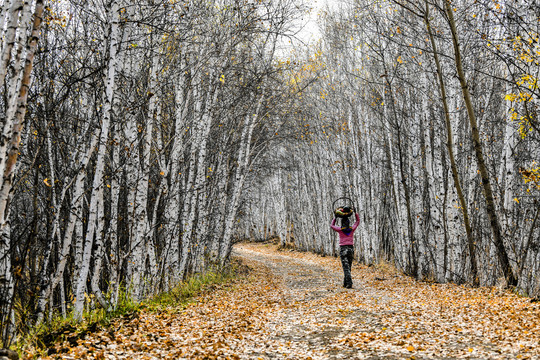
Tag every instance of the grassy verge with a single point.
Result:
(178, 297)
(38, 340)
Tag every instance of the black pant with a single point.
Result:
(346, 252)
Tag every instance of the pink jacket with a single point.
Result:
(345, 239)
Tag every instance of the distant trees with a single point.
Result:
(424, 112)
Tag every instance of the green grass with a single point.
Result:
(178, 297)
(59, 328)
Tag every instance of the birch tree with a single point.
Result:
(15, 91)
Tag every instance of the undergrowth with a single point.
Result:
(60, 329)
(181, 295)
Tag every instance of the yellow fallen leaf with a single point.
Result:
(410, 348)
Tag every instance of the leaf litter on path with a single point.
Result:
(292, 306)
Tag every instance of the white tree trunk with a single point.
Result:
(100, 161)
(244, 156)
(115, 255)
(8, 39)
(75, 214)
(201, 227)
(139, 240)
(172, 208)
(99, 253)
(11, 126)
(190, 205)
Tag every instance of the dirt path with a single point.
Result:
(293, 307)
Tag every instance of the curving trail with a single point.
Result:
(292, 306)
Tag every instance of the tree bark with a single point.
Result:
(450, 147)
(475, 136)
(100, 161)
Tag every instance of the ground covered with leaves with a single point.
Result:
(292, 306)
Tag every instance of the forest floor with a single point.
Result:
(292, 306)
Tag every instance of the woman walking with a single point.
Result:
(346, 241)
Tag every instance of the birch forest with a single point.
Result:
(141, 139)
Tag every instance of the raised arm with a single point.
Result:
(333, 225)
(357, 222)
